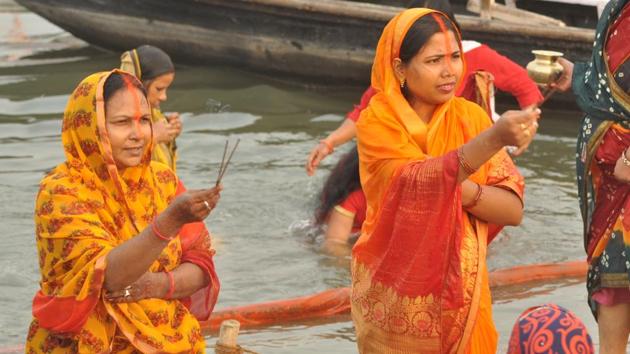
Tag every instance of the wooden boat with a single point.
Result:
(329, 41)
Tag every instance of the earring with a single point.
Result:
(402, 83)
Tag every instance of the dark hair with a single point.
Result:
(117, 81)
(343, 180)
(444, 6)
(153, 62)
(419, 34)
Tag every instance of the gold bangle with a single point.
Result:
(463, 163)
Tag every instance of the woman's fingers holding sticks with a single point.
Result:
(205, 200)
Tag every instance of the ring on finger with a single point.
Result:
(523, 126)
(205, 202)
(527, 133)
(127, 292)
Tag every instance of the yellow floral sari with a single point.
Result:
(84, 209)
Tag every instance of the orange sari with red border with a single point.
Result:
(419, 277)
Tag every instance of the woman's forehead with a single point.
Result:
(128, 99)
(440, 44)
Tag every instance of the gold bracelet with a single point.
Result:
(463, 163)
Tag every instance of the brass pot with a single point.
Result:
(545, 69)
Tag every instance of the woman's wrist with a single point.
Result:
(329, 144)
(494, 139)
(167, 223)
(169, 285)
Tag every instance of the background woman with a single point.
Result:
(435, 175)
(125, 259)
(156, 71)
(602, 88)
(342, 204)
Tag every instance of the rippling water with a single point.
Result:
(263, 252)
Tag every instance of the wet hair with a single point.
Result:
(154, 62)
(443, 6)
(343, 180)
(116, 82)
(420, 32)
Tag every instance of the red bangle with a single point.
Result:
(157, 232)
(330, 146)
(171, 285)
(476, 200)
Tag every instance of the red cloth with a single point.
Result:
(356, 204)
(611, 195)
(365, 99)
(617, 44)
(612, 296)
(508, 76)
(195, 241)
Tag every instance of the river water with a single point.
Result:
(263, 249)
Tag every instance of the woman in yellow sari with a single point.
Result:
(154, 68)
(125, 259)
(439, 185)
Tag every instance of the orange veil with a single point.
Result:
(419, 280)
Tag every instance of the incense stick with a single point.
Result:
(225, 164)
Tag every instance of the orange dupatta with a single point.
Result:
(84, 209)
(419, 280)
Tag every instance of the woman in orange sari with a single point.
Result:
(125, 259)
(439, 185)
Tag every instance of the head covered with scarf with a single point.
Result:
(148, 63)
(549, 329)
(86, 207)
(419, 265)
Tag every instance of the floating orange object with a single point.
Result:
(322, 305)
(336, 302)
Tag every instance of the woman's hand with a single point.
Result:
(517, 128)
(149, 285)
(316, 156)
(175, 122)
(563, 83)
(165, 132)
(193, 205)
(622, 171)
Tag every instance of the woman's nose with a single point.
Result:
(136, 130)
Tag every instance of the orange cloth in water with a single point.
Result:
(85, 208)
(419, 282)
